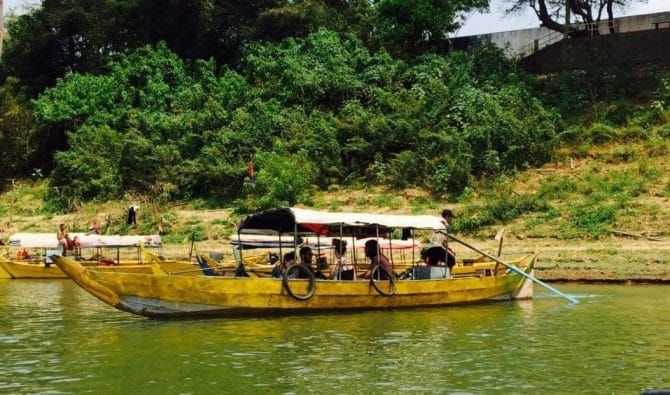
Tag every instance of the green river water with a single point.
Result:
(57, 339)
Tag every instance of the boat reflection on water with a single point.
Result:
(56, 338)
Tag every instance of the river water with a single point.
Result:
(55, 338)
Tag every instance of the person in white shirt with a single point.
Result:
(440, 237)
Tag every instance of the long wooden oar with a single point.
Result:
(516, 270)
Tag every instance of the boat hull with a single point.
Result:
(31, 270)
(38, 270)
(176, 295)
(4, 274)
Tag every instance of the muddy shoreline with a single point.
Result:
(612, 260)
(579, 277)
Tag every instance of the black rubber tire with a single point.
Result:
(310, 277)
(390, 277)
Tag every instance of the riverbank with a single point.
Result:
(614, 259)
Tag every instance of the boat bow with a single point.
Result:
(79, 274)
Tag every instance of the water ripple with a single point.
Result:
(54, 338)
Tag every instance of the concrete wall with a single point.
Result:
(522, 43)
(633, 49)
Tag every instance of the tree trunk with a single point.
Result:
(577, 7)
(2, 24)
(545, 18)
(610, 17)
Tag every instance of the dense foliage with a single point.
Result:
(169, 99)
(83, 35)
(18, 134)
(317, 111)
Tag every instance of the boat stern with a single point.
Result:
(525, 289)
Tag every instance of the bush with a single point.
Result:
(665, 192)
(573, 134)
(502, 210)
(664, 131)
(617, 113)
(624, 153)
(599, 133)
(646, 117)
(555, 187)
(185, 129)
(281, 180)
(593, 221)
(387, 201)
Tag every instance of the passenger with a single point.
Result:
(279, 269)
(434, 257)
(94, 228)
(22, 255)
(305, 261)
(376, 258)
(64, 242)
(440, 237)
(341, 270)
(75, 244)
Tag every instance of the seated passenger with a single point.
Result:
(305, 261)
(22, 255)
(342, 269)
(280, 268)
(434, 257)
(373, 252)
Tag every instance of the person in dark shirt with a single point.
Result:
(280, 268)
(373, 252)
(306, 256)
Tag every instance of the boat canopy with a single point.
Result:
(85, 240)
(250, 241)
(288, 220)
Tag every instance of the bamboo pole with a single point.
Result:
(515, 269)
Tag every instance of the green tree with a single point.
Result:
(19, 134)
(84, 36)
(408, 28)
(323, 106)
(586, 13)
(160, 114)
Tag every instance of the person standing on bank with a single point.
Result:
(250, 170)
(132, 215)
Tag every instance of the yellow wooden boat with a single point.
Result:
(130, 254)
(163, 295)
(156, 295)
(4, 274)
(38, 269)
(30, 269)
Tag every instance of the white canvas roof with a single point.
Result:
(363, 219)
(288, 220)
